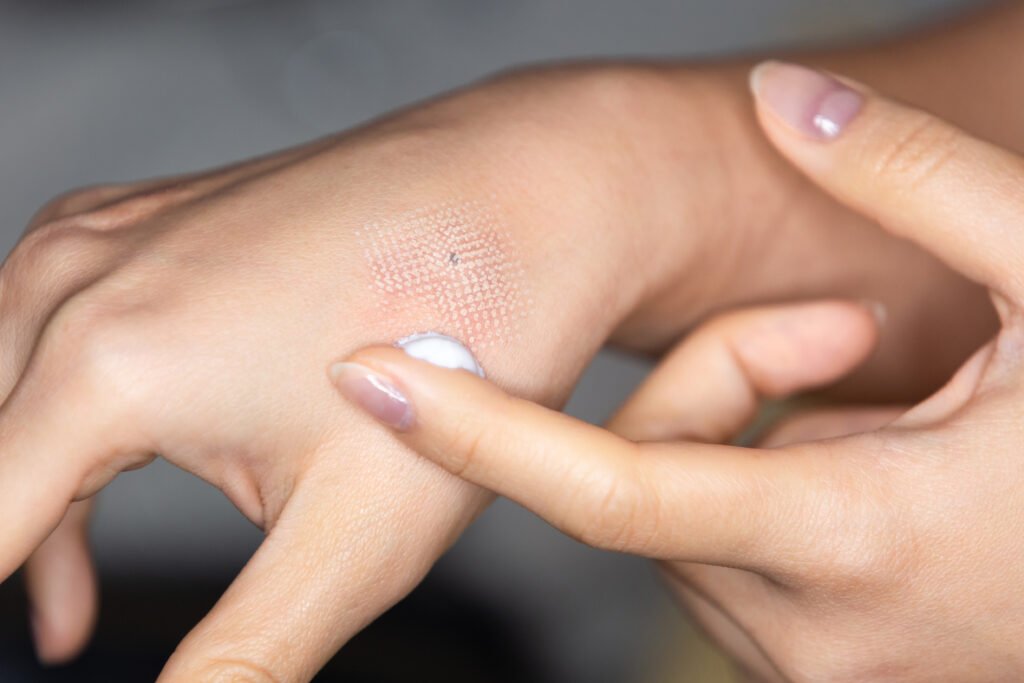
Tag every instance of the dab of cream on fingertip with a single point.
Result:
(441, 350)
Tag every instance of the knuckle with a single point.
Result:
(616, 89)
(808, 658)
(137, 206)
(106, 207)
(92, 341)
(846, 567)
(58, 241)
(806, 665)
(863, 547)
(51, 256)
(613, 515)
(916, 151)
(807, 655)
(235, 671)
(75, 201)
(462, 449)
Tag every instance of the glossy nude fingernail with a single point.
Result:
(374, 394)
(878, 311)
(812, 102)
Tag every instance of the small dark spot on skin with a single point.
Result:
(453, 259)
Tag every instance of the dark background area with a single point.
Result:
(105, 91)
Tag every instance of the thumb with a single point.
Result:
(710, 386)
(918, 176)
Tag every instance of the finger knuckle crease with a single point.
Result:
(95, 344)
(864, 545)
(610, 519)
(236, 671)
(918, 154)
(76, 200)
(466, 447)
(136, 207)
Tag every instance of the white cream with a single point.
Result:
(441, 350)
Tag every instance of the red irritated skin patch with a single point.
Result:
(452, 269)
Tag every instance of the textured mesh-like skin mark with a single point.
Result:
(452, 263)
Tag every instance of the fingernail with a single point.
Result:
(374, 394)
(813, 103)
(878, 310)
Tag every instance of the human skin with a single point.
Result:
(887, 555)
(185, 316)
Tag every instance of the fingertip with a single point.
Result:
(404, 355)
(375, 394)
(709, 386)
(858, 322)
(878, 310)
(63, 589)
(915, 174)
(800, 346)
(59, 640)
(397, 385)
(811, 103)
(64, 607)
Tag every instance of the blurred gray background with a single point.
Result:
(104, 91)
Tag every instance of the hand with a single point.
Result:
(691, 172)
(193, 318)
(885, 555)
(191, 313)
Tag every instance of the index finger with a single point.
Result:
(344, 549)
(918, 176)
(696, 502)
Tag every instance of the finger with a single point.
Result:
(140, 199)
(345, 549)
(711, 385)
(695, 502)
(920, 177)
(65, 431)
(60, 577)
(37, 483)
(62, 588)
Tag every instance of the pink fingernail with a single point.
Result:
(878, 310)
(375, 395)
(813, 103)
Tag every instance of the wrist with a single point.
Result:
(622, 179)
(635, 165)
(709, 192)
